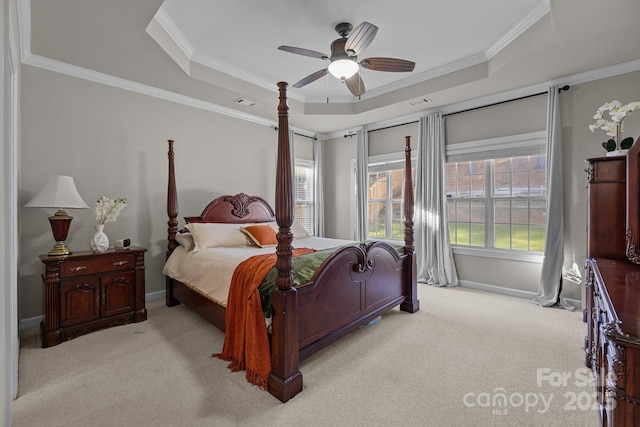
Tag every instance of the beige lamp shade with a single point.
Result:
(59, 192)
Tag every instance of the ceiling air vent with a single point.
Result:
(418, 102)
(245, 102)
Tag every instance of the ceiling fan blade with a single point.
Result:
(311, 78)
(305, 52)
(361, 37)
(355, 84)
(388, 64)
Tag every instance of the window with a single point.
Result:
(499, 202)
(385, 197)
(304, 197)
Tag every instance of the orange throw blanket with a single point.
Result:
(246, 343)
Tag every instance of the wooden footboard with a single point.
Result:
(353, 286)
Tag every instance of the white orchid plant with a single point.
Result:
(613, 125)
(107, 210)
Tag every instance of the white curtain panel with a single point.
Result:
(318, 203)
(433, 249)
(292, 135)
(550, 286)
(362, 164)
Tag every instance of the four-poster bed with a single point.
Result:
(353, 285)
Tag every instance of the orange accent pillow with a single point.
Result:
(261, 235)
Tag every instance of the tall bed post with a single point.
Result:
(285, 379)
(172, 213)
(411, 303)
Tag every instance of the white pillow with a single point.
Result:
(211, 235)
(185, 240)
(298, 231)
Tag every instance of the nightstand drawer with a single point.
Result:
(91, 266)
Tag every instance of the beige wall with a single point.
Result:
(338, 193)
(302, 147)
(392, 139)
(113, 142)
(510, 118)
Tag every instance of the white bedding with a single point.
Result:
(210, 270)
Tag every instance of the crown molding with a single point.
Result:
(109, 80)
(533, 17)
(172, 31)
(588, 76)
(600, 73)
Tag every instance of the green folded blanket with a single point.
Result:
(304, 266)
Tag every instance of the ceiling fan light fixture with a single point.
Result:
(344, 64)
(343, 68)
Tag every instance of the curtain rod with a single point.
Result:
(565, 87)
(350, 134)
(299, 134)
(393, 126)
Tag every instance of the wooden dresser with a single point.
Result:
(607, 199)
(87, 290)
(612, 342)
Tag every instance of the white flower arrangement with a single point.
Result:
(107, 210)
(613, 126)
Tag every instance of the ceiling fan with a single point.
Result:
(344, 57)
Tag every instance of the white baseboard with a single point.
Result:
(32, 322)
(511, 292)
(152, 296)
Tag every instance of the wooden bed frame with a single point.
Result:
(352, 287)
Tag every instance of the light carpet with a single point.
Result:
(467, 358)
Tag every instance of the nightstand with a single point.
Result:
(89, 290)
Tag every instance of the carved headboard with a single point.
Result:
(238, 209)
(633, 200)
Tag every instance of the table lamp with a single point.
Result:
(60, 192)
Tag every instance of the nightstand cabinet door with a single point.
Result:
(118, 294)
(79, 301)
(86, 291)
